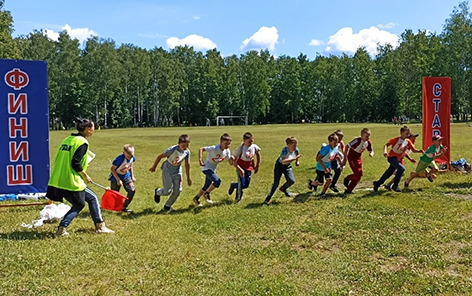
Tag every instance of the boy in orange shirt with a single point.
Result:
(399, 146)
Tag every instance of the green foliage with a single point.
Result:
(8, 48)
(418, 242)
(124, 86)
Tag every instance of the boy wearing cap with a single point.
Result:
(427, 160)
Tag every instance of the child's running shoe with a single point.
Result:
(309, 184)
(346, 182)
(388, 186)
(207, 197)
(157, 198)
(430, 179)
(285, 191)
(196, 202)
(334, 189)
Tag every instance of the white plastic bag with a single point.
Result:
(50, 214)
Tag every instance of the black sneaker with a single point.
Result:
(231, 189)
(346, 182)
(430, 179)
(168, 209)
(125, 210)
(309, 184)
(334, 189)
(376, 186)
(396, 189)
(285, 191)
(322, 195)
(388, 186)
(157, 198)
(406, 184)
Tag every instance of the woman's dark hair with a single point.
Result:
(83, 123)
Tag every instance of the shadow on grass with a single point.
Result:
(302, 197)
(464, 185)
(190, 209)
(26, 235)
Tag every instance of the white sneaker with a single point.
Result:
(101, 228)
(207, 197)
(61, 231)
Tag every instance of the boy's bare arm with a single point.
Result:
(156, 162)
(258, 159)
(187, 170)
(115, 174)
(200, 156)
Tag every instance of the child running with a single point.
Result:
(407, 153)
(399, 146)
(353, 153)
(283, 166)
(324, 158)
(216, 154)
(243, 160)
(122, 173)
(336, 164)
(172, 171)
(427, 160)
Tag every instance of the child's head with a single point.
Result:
(184, 142)
(128, 151)
(365, 134)
(413, 137)
(437, 140)
(248, 139)
(292, 143)
(404, 132)
(225, 141)
(340, 135)
(333, 140)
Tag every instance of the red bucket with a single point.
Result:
(113, 200)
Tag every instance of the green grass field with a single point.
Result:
(418, 242)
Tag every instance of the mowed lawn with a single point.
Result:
(418, 242)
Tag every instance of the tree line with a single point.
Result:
(124, 86)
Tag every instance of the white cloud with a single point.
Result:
(198, 42)
(387, 26)
(196, 18)
(316, 42)
(78, 33)
(264, 38)
(348, 42)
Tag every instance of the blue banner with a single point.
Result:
(24, 127)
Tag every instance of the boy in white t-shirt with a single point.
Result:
(215, 155)
(172, 171)
(243, 160)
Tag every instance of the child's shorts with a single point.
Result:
(321, 175)
(423, 165)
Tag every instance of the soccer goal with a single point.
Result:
(220, 120)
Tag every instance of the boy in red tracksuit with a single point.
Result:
(353, 152)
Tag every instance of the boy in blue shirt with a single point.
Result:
(122, 174)
(323, 165)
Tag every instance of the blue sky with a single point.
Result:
(234, 27)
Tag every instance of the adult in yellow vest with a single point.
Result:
(68, 178)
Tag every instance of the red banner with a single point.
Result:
(437, 113)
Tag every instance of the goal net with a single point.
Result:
(231, 120)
